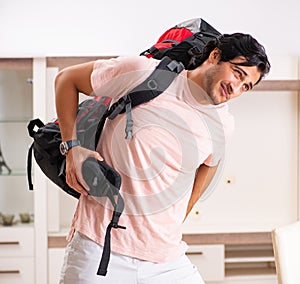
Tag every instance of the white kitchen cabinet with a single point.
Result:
(252, 263)
(230, 264)
(16, 109)
(17, 255)
(15, 112)
(17, 241)
(17, 270)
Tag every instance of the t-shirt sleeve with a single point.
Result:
(113, 77)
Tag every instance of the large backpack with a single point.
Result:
(184, 42)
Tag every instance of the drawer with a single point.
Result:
(209, 260)
(17, 270)
(16, 241)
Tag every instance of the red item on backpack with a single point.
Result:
(184, 42)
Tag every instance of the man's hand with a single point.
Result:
(75, 157)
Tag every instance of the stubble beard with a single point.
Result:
(210, 92)
(210, 83)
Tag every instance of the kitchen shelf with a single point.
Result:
(249, 260)
(246, 273)
(14, 173)
(15, 120)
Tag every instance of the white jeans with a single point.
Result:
(82, 258)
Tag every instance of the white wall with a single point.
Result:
(97, 27)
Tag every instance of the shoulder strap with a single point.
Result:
(158, 81)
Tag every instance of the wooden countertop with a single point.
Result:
(193, 239)
(229, 238)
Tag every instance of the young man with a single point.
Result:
(178, 141)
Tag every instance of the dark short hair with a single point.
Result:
(239, 44)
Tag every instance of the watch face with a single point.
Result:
(63, 148)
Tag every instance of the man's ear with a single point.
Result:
(214, 56)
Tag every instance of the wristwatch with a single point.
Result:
(64, 147)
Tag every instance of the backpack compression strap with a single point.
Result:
(104, 181)
(159, 80)
(118, 209)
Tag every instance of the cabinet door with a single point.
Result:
(17, 270)
(15, 113)
(16, 242)
(260, 172)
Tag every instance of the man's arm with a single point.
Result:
(203, 178)
(68, 84)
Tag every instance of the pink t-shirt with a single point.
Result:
(172, 136)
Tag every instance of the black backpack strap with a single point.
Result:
(158, 81)
(31, 130)
(29, 166)
(114, 223)
(104, 181)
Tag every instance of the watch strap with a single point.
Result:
(67, 145)
(72, 143)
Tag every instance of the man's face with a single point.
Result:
(227, 80)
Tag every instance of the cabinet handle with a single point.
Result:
(10, 243)
(195, 252)
(9, 271)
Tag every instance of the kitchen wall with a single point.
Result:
(97, 27)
